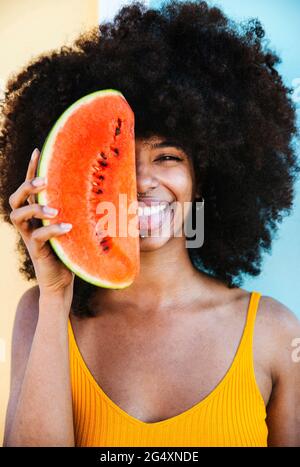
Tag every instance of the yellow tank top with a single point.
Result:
(233, 414)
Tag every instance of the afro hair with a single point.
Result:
(189, 73)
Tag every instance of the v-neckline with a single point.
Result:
(186, 412)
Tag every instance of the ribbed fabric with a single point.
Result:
(233, 414)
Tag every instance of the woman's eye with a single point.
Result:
(168, 158)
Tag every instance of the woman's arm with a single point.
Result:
(39, 412)
(40, 407)
(283, 410)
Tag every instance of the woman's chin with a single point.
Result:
(150, 243)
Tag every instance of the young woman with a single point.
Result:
(184, 356)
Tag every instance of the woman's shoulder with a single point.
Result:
(278, 317)
(28, 308)
(26, 317)
(278, 330)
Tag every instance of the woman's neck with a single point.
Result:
(167, 278)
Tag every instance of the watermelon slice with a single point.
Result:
(88, 158)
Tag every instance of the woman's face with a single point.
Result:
(165, 175)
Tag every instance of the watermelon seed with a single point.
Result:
(103, 155)
(101, 177)
(118, 128)
(105, 243)
(103, 163)
(97, 190)
(105, 239)
(115, 150)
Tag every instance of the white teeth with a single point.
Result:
(151, 210)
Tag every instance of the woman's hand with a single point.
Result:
(53, 277)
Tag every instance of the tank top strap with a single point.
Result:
(250, 320)
(71, 340)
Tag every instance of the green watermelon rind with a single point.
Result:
(42, 198)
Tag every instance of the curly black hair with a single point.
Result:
(190, 73)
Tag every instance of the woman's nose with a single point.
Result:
(145, 178)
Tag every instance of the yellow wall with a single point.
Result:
(27, 28)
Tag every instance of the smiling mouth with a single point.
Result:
(151, 210)
(153, 217)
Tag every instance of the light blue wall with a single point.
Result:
(280, 277)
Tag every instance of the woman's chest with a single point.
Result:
(155, 372)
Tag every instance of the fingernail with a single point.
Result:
(50, 211)
(34, 154)
(65, 226)
(39, 181)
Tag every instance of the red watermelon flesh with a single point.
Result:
(89, 157)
